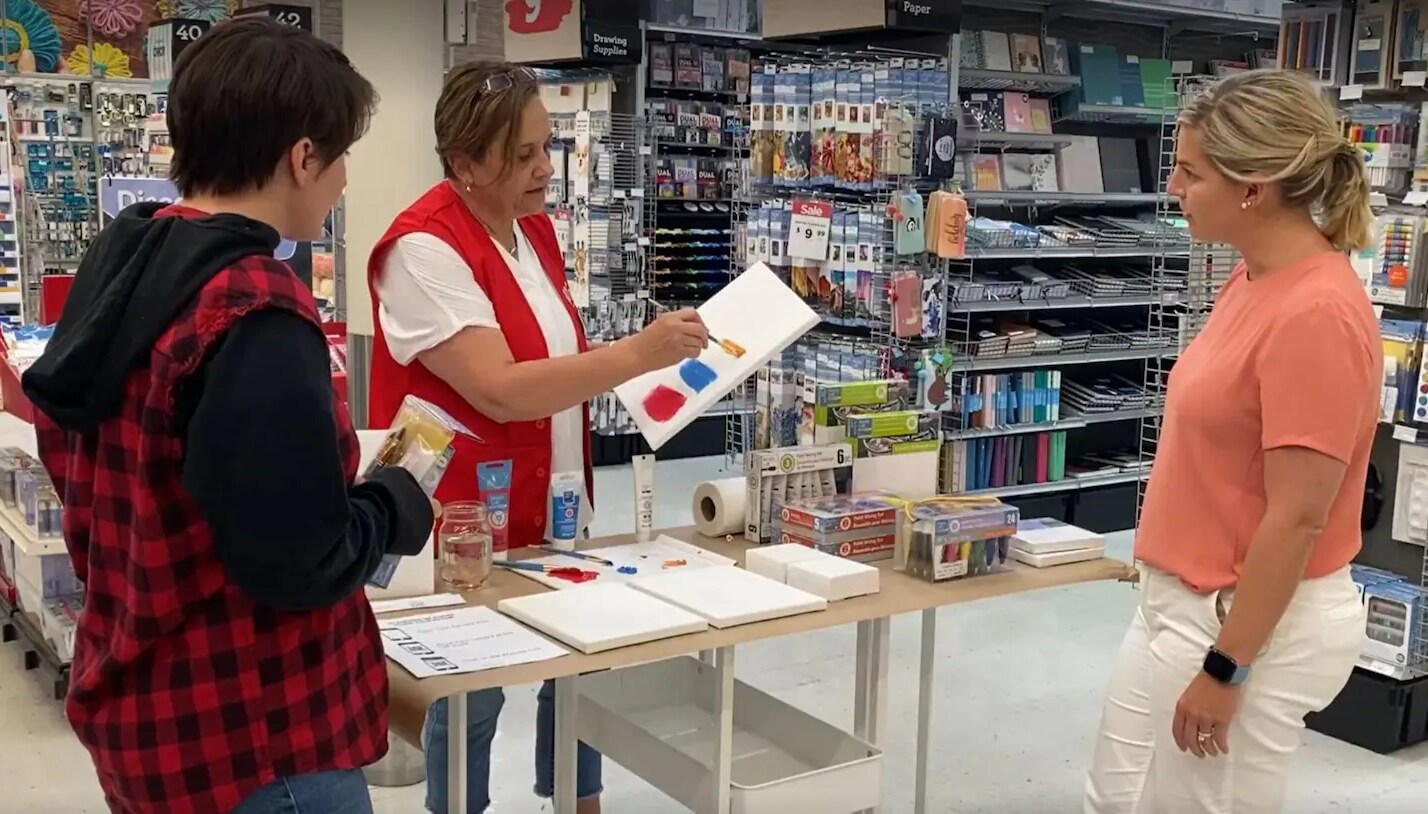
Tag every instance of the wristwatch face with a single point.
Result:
(1223, 669)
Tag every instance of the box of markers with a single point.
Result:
(939, 541)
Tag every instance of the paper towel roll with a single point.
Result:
(719, 507)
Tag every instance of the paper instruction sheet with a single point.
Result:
(464, 640)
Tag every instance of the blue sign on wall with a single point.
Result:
(117, 193)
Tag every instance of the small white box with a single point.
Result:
(773, 561)
(833, 578)
(1066, 557)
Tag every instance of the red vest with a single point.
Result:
(526, 444)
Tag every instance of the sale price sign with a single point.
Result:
(808, 229)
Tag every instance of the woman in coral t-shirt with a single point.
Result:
(1249, 619)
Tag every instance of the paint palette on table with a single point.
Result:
(628, 562)
(758, 313)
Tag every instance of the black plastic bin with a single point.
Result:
(1376, 712)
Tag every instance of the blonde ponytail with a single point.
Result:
(1345, 217)
(1271, 126)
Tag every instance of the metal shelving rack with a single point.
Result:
(972, 297)
(68, 133)
(1391, 88)
(873, 332)
(610, 248)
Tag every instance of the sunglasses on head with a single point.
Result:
(507, 79)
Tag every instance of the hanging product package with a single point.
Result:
(421, 441)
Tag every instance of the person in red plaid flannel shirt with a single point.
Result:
(226, 659)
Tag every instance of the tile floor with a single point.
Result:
(1019, 679)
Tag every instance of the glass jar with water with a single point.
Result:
(465, 542)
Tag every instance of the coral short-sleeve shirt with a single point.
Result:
(1290, 360)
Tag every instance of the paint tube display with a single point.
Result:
(644, 496)
(419, 441)
(493, 478)
(566, 489)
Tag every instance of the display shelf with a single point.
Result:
(1397, 672)
(1172, 17)
(1121, 415)
(1069, 484)
(675, 92)
(1062, 303)
(988, 139)
(1043, 198)
(1016, 81)
(953, 434)
(975, 363)
(1069, 252)
(25, 538)
(1108, 114)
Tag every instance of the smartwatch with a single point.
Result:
(1219, 666)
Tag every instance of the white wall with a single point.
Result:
(400, 48)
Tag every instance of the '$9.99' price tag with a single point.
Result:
(808, 229)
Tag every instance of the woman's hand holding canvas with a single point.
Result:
(759, 313)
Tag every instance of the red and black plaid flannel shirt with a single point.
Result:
(189, 695)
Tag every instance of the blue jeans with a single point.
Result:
(483, 707)
(338, 792)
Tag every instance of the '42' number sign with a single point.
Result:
(808, 229)
(295, 16)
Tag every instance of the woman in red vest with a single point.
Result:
(473, 314)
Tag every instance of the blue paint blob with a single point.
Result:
(628, 569)
(697, 375)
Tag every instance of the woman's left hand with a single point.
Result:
(1206, 706)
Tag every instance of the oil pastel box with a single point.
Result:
(867, 545)
(839, 514)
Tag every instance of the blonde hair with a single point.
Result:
(1271, 126)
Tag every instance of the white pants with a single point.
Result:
(1138, 769)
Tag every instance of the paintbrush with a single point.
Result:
(577, 555)
(732, 348)
(541, 568)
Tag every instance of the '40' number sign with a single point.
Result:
(808, 229)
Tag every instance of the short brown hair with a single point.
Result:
(471, 120)
(247, 91)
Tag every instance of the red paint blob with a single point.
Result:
(576, 575)
(663, 403)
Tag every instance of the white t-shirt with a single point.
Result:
(428, 294)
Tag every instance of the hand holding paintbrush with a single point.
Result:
(728, 347)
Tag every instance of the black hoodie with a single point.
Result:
(260, 433)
